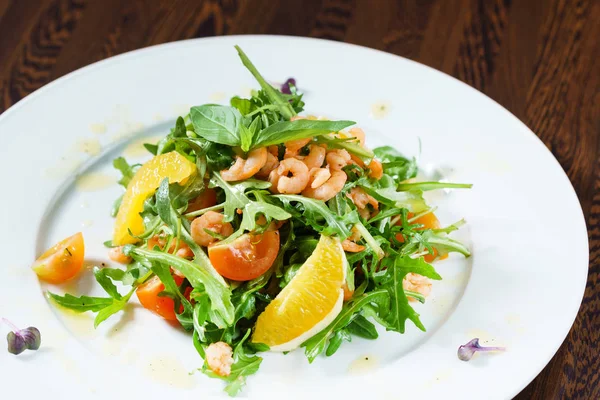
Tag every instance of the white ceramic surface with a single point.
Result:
(521, 288)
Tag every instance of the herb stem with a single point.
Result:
(13, 327)
(274, 95)
(415, 295)
(204, 210)
(261, 109)
(370, 240)
(421, 214)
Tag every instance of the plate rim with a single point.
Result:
(190, 42)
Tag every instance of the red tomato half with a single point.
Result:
(147, 294)
(247, 257)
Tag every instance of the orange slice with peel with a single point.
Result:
(309, 303)
(143, 185)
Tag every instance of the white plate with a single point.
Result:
(521, 288)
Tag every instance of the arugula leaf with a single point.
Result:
(104, 306)
(336, 341)
(222, 310)
(200, 272)
(245, 363)
(216, 123)
(172, 290)
(360, 326)
(319, 342)
(411, 200)
(81, 303)
(396, 165)
(251, 212)
(135, 273)
(316, 214)
(114, 210)
(127, 170)
(235, 193)
(181, 228)
(444, 244)
(425, 186)
(450, 228)
(274, 95)
(391, 281)
(284, 131)
(114, 308)
(107, 284)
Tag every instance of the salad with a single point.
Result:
(258, 229)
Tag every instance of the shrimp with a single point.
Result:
(116, 254)
(417, 283)
(361, 199)
(337, 159)
(212, 221)
(274, 180)
(274, 150)
(375, 169)
(375, 166)
(318, 176)
(315, 157)
(355, 235)
(359, 134)
(184, 252)
(352, 247)
(178, 248)
(293, 147)
(329, 189)
(299, 179)
(244, 169)
(270, 165)
(219, 358)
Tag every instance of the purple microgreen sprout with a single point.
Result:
(285, 88)
(466, 351)
(20, 340)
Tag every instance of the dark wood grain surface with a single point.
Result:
(538, 58)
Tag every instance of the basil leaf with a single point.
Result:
(284, 131)
(244, 106)
(216, 123)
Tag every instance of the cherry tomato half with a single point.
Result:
(61, 262)
(147, 294)
(247, 257)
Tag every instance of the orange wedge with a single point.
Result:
(143, 185)
(309, 303)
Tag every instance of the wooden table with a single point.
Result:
(538, 58)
